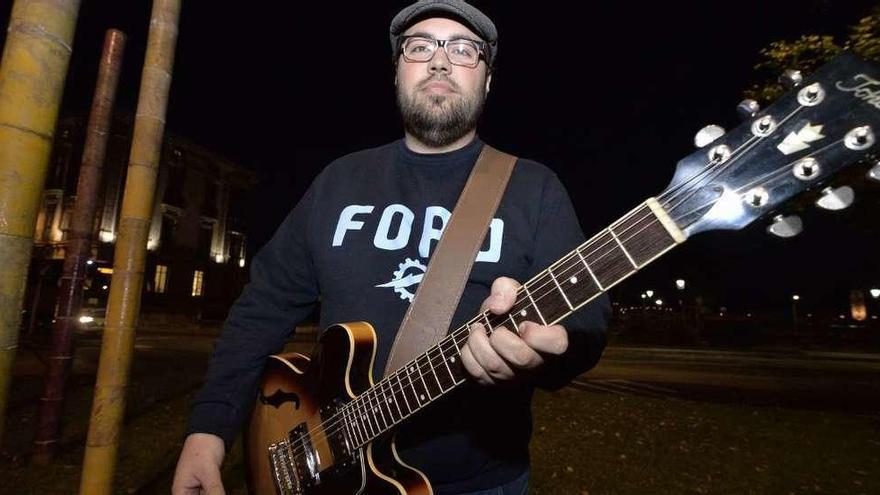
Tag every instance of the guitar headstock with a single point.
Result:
(825, 124)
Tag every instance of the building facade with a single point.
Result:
(196, 250)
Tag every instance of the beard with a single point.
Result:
(440, 120)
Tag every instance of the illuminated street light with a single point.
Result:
(795, 297)
(644, 296)
(90, 262)
(659, 302)
(875, 293)
(680, 284)
(650, 293)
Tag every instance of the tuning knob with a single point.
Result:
(747, 109)
(786, 226)
(834, 199)
(874, 173)
(708, 134)
(791, 78)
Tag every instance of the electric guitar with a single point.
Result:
(325, 426)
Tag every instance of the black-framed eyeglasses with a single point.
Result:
(460, 51)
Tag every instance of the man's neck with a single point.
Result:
(419, 147)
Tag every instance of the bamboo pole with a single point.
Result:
(130, 253)
(35, 59)
(79, 248)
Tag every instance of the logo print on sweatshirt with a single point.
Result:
(409, 273)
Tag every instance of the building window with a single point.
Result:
(161, 278)
(197, 283)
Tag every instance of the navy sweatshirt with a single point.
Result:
(369, 221)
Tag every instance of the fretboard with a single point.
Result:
(580, 276)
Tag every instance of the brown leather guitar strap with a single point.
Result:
(429, 315)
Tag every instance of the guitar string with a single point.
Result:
(379, 388)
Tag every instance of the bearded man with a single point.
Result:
(372, 218)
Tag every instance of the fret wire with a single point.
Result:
(365, 415)
(534, 305)
(560, 289)
(412, 382)
(346, 429)
(403, 393)
(377, 406)
(359, 426)
(427, 391)
(488, 323)
(515, 325)
(434, 371)
(377, 410)
(386, 400)
(589, 270)
(394, 397)
(630, 258)
(353, 437)
(446, 361)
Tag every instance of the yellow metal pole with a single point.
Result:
(32, 73)
(130, 253)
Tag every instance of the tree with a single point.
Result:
(809, 52)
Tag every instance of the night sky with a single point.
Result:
(607, 94)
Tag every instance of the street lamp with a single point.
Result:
(680, 284)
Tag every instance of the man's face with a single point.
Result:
(440, 102)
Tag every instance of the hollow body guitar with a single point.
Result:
(324, 426)
(295, 395)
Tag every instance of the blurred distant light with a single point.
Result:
(104, 287)
(644, 296)
(875, 293)
(842, 317)
(90, 262)
(241, 262)
(659, 302)
(795, 297)
(650, 293)
(86, 319)
(680, 284)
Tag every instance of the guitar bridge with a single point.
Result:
(294, 463)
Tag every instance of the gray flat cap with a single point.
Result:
(459, 10)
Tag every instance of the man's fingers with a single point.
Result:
(514, 350)
(486, 356)
(549, 340)
(473, 367)
(502, 295)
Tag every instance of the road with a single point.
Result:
(800, 379)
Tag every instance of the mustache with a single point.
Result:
(443, 79)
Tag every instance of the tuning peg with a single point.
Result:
(791, 78)
(836, 198)
(708, 134)
(874, 173)
(747, 109)
(786, 226)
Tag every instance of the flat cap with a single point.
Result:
(459, 10)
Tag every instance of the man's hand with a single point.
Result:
(198, 469)
(506, 355)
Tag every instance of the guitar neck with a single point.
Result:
(635, 240)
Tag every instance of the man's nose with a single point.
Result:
(440, 62)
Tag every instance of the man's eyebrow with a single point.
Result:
(456, 36)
